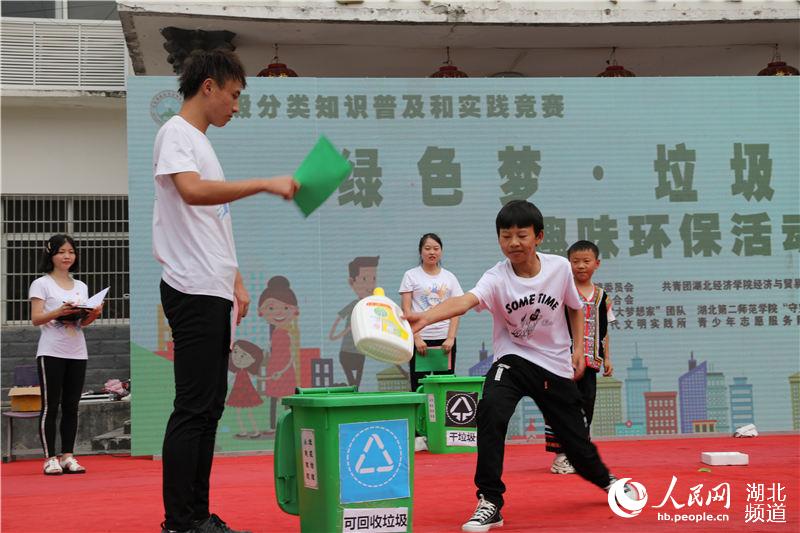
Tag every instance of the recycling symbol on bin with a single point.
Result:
(461, 409)
(374, 456)
(374, 438)
(374, 461)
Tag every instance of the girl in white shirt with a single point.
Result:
(424, 287)
(61, 354)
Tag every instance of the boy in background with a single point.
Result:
(584, 258)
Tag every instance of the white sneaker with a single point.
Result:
(485, 517)
(420, 444)
(72, 466)
(561, 465)
(52, 468)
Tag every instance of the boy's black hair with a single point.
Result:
(519, 213)
(219, 65)
(582, 246)
(51, 248)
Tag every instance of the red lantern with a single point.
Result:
(276, 69)
(448, 70)
(776, 67)
(613, 70)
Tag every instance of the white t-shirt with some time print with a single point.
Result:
(60, 339)
(528, 314)
(428, 291)
(193, 243)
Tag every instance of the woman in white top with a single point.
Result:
(424, 287)
(61, 355)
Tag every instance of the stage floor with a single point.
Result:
(123, 494)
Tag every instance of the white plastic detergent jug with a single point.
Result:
(379, 332)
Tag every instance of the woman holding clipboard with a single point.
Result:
(61, 355)
(423, 287)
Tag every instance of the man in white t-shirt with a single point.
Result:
(525, 295)
(200, 282)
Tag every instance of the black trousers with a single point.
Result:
(201, 331)
(61, 383)
(416, 376)
(507, 381)
(587, 386)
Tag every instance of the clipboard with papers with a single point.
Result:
(82, 309)
(94, 301)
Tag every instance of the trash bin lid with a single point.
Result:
(451, 379)
(354, 399)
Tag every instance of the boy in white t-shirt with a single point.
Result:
(200, 281)
(526, 295)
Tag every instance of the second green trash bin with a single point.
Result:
(449, 417)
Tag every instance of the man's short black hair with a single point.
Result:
(519, 213)
(219, 65)
(582, 246)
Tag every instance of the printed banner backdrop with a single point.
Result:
(689, 186)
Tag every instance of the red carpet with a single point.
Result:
(123, 494)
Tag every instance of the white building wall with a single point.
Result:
(52, 148)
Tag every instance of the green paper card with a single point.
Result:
(320, 173)
(434, 360)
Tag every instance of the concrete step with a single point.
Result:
(127, 427)
(113, 441)
(94, 418)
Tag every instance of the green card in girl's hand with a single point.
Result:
(434, 360)
(320, 173)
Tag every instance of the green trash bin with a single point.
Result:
(344, 460)
(449, 416)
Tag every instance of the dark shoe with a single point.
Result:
(486, 516)
(214, 524)
(165, 530)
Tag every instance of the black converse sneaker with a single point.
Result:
(486, 516)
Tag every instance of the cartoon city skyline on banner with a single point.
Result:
(703, 403)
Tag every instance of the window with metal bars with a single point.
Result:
(99, 225)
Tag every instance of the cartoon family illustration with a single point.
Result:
(277, 305)
(275, 372)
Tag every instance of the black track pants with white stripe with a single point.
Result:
(509, 379)
(61, 383)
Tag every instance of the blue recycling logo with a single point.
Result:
(373, 461)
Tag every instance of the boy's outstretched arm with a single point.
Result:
(448, 309)
(576, 325)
